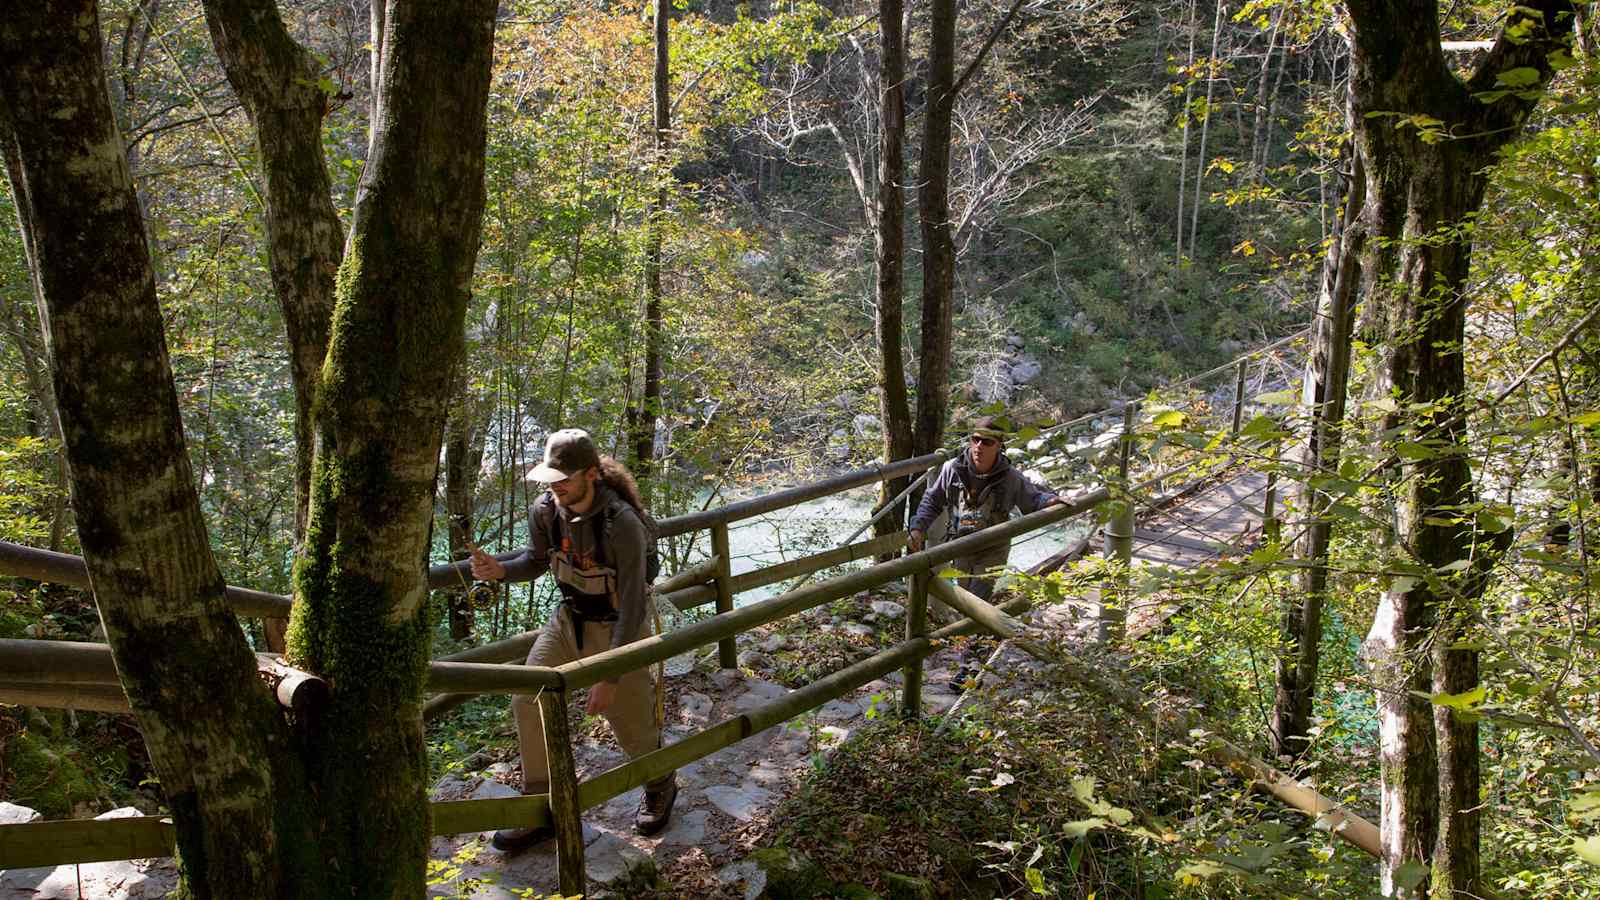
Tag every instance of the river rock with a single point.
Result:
(992, 381)
(12, 814)
(1014, 341)
(838, 711)
(741, 802)
(859, 629)
(617, 868)
(694, 707)
(865, 425)
(775, 643)
(1025, 370)
(888, 609)
(751, 659)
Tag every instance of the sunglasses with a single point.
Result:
(982, 441)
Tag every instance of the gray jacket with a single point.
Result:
(625, 551)
(978, 501)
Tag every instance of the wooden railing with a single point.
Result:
(81, 675)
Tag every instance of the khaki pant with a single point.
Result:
(632, 714)
(982, 561)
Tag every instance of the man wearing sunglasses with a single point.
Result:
(979, 488)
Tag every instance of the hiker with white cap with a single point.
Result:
(589, 530)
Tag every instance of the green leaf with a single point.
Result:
(1035, 881)
(1413, 450)
(1588, 418)
(1588, 849)
(1410, 874)
(1171, 418)
(1522, 76)
(1278, 398)
(1585, 806)
(1082, 827)
(1202, 869)
(1083, 789)
(1465, 700)
(1457, 566)
(1267, 555)
(1260, 426)
(1492, 523)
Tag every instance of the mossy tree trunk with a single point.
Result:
(225, 757)
(263, 810)
(361, 612)
(888, 223)
(1427, 138)
(279, 84)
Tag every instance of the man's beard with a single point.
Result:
(574, 498)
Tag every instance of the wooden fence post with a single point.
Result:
(565, 812)
(727, 651)
(916, 626)
(1238, 398)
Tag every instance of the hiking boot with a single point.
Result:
(516, 840)
(655, 810)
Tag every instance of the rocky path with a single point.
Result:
(718, 796)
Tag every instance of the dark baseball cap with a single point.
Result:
(567, 452)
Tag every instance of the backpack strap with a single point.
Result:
(545, 512)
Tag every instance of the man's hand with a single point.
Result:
(914, 539)
(484, 566)
(601, 695)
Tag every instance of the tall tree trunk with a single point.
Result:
(361, 612)
(278, 82)
(1420, 187)
(29, 335)
(644, 424)
(938, 246)
(224, 755)
(889, 254)
(1326, 379)
(1259, 130)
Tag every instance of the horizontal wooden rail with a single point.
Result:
(98, 697)
(69, 841)
(66, 841)
(454, 573)
(755, 506)
(647, 768)
(516, 649)
(63, 568)
(974, 607)
(612, 663)
(805, 565)
(32, 665)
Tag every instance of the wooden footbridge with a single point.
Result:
(1173, 502)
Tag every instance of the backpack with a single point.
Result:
(602, 533)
